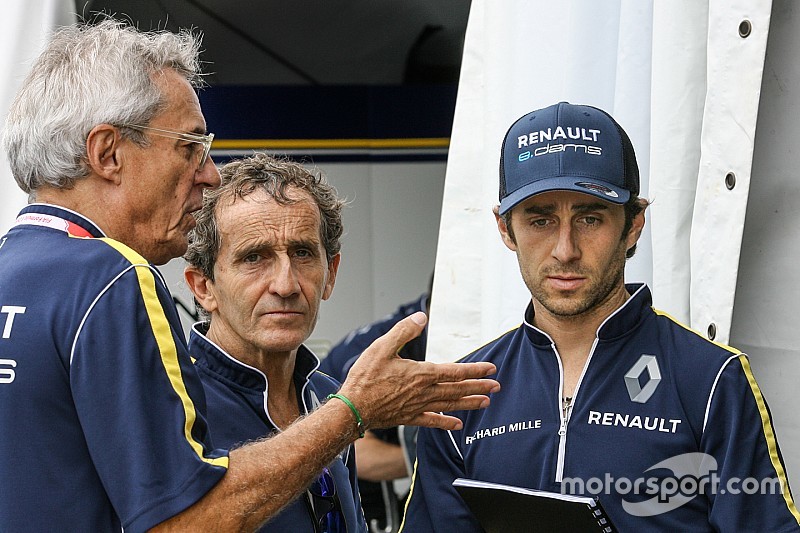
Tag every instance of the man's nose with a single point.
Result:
(285, 282)
(208, 174)
(566, 248)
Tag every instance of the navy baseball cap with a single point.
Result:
(567, 147)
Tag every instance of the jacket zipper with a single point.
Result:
(565, 408)
(563, 414)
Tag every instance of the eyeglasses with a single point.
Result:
(205, 140)
(324, 505)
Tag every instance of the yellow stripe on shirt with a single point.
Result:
(769, 434)
(766, 423)
(408, 498)
(166, 344)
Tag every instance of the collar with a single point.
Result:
(66, 220)
(220, 362)
(619, 323)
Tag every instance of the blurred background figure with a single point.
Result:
(384, 457)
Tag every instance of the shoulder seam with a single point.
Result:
(91, 307)
(487, 343)
(714, 388)
(725, 347)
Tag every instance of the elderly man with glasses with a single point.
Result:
(102, 415)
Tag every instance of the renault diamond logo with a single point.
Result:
(641, 393)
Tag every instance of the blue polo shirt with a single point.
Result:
(237, 412)
(101, 411)
(658, 413)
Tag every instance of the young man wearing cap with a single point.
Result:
(602, 395)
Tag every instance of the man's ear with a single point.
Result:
(333, 268)
(102, 149)
(637, 225)
(505, 232)
(201, 287)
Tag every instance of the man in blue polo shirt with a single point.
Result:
(602, 394)
(102, 415)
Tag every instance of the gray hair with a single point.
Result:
(89, 75)
(241, 178)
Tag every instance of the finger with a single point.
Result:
(402, 332)
(467, 403)
(437, 420)
(458, 389)
(460, 371)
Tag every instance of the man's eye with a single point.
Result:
(251, 258)
(193, 149)
(590, 220)
(539, 222)
(302, 252)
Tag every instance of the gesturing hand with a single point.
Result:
(389, 390)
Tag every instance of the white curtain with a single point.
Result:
(24, 29)
(680, 31)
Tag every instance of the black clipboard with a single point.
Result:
(506, 509)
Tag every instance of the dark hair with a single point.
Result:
(274, 176)
(633, 207)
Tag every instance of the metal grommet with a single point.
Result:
(745, 28)
(730, 180)
(712, 331)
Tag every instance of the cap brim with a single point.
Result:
(600, 189)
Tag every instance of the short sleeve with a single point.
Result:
(141, 404)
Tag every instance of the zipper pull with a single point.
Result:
(566, 409)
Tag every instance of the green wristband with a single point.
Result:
(352, 407)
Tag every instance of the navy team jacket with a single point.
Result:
(668, 429)
(237, 412)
